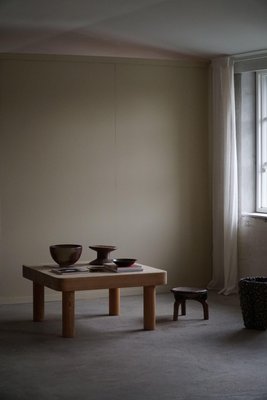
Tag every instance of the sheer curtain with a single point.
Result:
(224, 177)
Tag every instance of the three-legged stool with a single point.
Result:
(181, 294)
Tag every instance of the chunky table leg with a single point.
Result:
(149, 307)
(114, 301)
(38, 302)
(68, 301)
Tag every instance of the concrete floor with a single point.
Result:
(112, 357)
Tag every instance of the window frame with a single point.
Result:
(261, 141)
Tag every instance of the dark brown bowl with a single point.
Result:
(124, 262)
(65, 254)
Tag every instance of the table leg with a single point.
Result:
(68, 301)
(114, 301)
(38, 302)
(149, 307)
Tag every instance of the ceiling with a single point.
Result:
(171, 29)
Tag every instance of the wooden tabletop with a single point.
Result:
(43, 275)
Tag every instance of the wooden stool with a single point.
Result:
(181, 294)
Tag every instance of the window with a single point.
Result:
(261, 142)
(251, 118)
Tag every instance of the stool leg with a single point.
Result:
(205, 308)
(175, 311)
(183, 307)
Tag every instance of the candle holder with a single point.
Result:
(102, 254)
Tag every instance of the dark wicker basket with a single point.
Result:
(253, 302)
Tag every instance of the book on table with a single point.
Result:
(68, 270)
(107, 267)
(111, 267)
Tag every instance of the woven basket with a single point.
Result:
(253, 302)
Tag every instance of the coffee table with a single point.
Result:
(42, 277)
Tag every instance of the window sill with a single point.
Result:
(255, 215)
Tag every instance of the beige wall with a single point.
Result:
(104, 151)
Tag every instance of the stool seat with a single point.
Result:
(181, 294)
(183, 289)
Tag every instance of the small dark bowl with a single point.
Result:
(124, 262)
(65, 254)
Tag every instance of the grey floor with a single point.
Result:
(113, 358)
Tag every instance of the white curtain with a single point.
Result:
(224, 177)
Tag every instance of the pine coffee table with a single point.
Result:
(42, 277)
